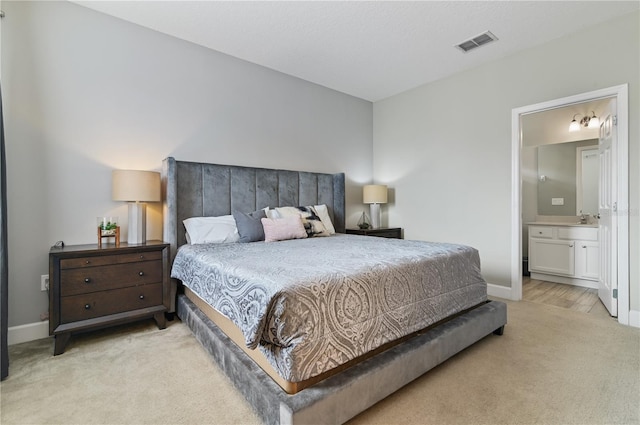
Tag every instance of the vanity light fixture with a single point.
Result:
(586, 121)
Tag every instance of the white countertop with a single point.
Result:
(557, 223)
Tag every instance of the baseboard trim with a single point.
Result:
(28, 332)
(499, 291)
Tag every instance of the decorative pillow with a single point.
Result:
(249, 225)
(220, 229)
(312, 223)
(281, 229)
(323, 213)
(271, 212)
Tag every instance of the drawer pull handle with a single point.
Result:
(584, 246)
(142, 257)
(87, 307)
(87, 262)
(141, 274)
(570, 245)
(141, 297)
(87, 280)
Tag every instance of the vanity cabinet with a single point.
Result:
(564, 254)
(587, 260)
(551, 256)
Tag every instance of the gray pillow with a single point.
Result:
(249, 226)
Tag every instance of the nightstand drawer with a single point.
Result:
(97, 304)
(73, 263)
(391, 233)
(100, 278)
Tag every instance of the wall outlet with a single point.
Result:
(44, 282)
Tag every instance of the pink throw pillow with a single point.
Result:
(281, 229)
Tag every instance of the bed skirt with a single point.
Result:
(341, 397)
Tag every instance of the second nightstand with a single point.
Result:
(386, 232)
(95, 287)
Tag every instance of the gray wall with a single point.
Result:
(86, 93)
(558, 163)
(445, 147)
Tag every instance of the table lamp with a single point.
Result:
(375, 194)
(136, 188)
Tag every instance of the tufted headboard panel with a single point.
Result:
(193, 189)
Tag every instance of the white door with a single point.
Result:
(607, 208)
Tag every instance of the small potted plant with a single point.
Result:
(108, 228)
(107, 225)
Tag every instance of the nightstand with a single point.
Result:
(92, 287)
(385, 232)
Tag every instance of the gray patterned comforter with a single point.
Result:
(312, 304)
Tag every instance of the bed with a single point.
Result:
(352, 344)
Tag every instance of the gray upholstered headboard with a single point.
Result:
(192, 189)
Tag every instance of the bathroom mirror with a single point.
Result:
(568, 178)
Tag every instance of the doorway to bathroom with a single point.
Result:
(570, 297)
(614, 231)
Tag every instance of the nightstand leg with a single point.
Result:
(61, 343)
(160, 320)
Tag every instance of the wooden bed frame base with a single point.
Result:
(341, 397)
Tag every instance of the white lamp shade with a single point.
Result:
(574, 126)
(135, 186)
(594, 122)
(374, 194)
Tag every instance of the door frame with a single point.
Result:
(622, 163)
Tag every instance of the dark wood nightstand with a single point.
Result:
(94, 287)
(386, 232)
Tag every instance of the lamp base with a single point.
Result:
(375, 216)
(137, 223)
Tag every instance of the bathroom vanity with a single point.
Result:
(564, 253)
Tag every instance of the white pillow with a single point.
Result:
(220, 229)
(323, 213)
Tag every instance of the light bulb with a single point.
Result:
(574, 126)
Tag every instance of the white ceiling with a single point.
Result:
(371, 50)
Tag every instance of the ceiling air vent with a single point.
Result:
(477, 41)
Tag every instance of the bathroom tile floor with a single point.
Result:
(566, 296)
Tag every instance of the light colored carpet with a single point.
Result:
(551, 366)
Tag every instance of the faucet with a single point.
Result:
(584, 218)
